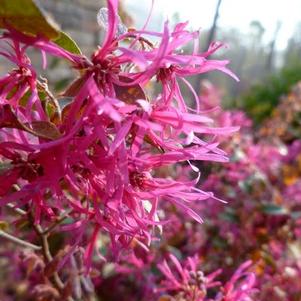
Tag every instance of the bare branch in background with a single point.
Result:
(270, 59)
(212, 31)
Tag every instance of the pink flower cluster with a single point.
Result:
(96, 160)
(194, 285)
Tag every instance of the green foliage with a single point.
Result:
(67, 43)
(273, 209)
(262, 98)
(27, 17)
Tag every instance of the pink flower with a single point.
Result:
(99, 157)
(191, 284)
(241, 285)
(187, 279)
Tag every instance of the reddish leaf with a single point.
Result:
(42, 129)
(74, 87)
(129, 94)
(8, 119)
(45, 129)
(27, 17)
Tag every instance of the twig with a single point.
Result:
(19, 241)
(58, 221)
(48, 257)
(43, 234)
(17, 210)
(46, 252)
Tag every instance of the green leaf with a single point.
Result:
(272, 209)
(66, 42)
(229, 215)
(27, 17)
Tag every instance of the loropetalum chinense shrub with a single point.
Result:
(262, 186)
(87, 176)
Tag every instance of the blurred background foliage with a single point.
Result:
(260, 99)
(266, 66)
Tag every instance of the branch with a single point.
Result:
(19, 241)
(44, 240)
(17, 210)
(46, 253)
